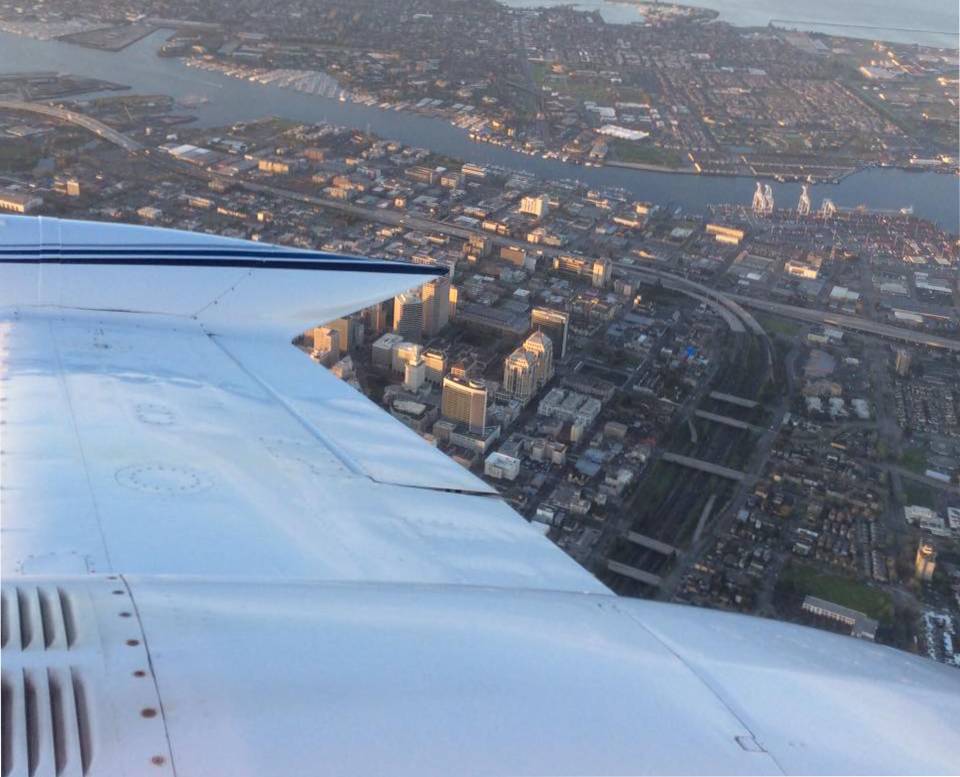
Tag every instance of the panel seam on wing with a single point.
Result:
(153, 670)
(229, 290)
(705, 682)
(79, 438)
(342, 456)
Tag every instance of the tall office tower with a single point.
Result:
(519, 375)
(415, 373)
(926, 561)
(375, 319)
(554, 324)
(326, 340)
(346, 328)
(902, 361)
(541, 347)
(601, 273)
(436, 305)
(535, 206)
(408, 316)
(465, 400)
(454, 298)
(384, 348)
(436, 363)
(404, 354)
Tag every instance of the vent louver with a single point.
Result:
(37, 618)
(78, 694)
(46, 724)
(46, 720)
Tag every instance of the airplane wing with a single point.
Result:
(219, 559)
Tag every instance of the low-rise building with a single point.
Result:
(860, 625)
(501, 467)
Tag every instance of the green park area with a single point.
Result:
(802, 580)
(644, 153)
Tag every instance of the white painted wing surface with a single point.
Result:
(220, 559)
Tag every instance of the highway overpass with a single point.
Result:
(72, 117)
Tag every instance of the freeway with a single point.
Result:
(855, 323)
(737, 303)
(96, 127)
(713, 297)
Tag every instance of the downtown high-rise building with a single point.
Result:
(555, 324)
(346, 328)
(541, 347)
(326, 339)
(436, 305)
(464, 400)
(408, 316)
(519, 375)
(529, 368)
(326, 345)
(375, 320)
(414, 374)
(436, 362)
(598, 270)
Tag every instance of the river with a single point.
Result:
(933, 196)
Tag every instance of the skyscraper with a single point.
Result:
(553, 323)
(406, 353)
(435, 362)
(454, 298)
(436, 305)
(326, 345)
(346, 328)
(375, 318)
(326, 339)
(601, 273)
(529, 367)
(519, 375)
(408, 316)
(541, 347)
(414, 374)
(465, 400)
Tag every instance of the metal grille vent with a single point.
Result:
(37, 618)
(46, 723)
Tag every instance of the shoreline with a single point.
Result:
(230, 100)
(472, 125)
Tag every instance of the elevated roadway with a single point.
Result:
(730, 399)
(79, 119)
(634, 574)
(649, 542)
(726, 420)
(737, 304)
(705, 466)
(852, 323)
